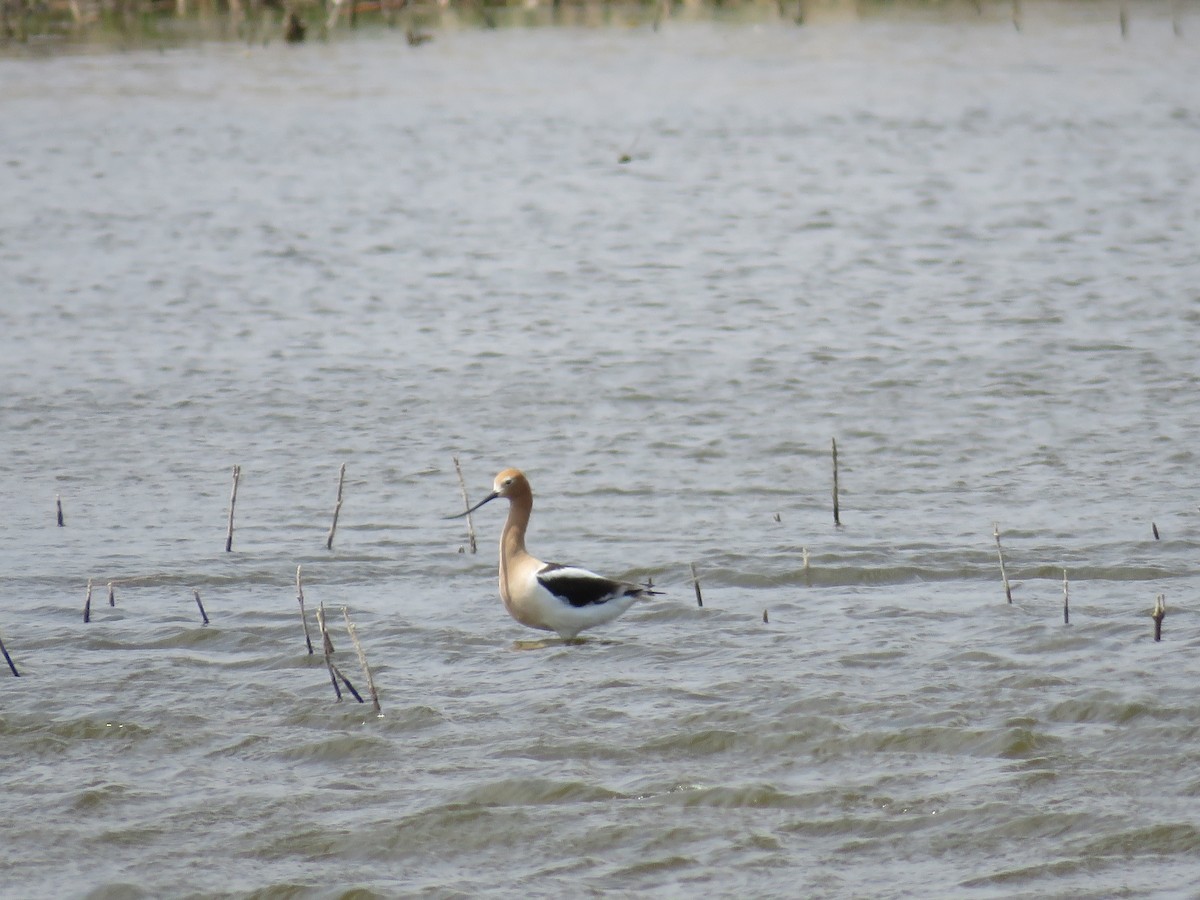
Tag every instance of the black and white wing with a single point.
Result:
(579, 587)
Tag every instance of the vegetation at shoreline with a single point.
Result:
(48, 25)
(171, 21)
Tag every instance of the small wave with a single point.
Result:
(535, 792)
(338, 749)
(1108, 709)
(1152, 840)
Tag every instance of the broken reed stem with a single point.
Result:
(1000, 554)
(337, 507)
(766, 620)
(303, 615)
(87, 604)
(837, 519)
(362, 659)
(466, 505)
(1066, 600)
(696, 585)
(237, 474)
(8, 659)
(58, 507)
(112, 597)
(203, 614)
(1160, 612)
(1154, 528)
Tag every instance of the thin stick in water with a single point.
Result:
(346, 681)
(766, 619)
(466, 505)
(203, 614)
(303, 615)
(837, 519)
(334, 672)
(337, 509)
(237, 474)
(58, 507)
(328, 645)
(1160, 612)
(8, 659)
(807, 570)
(362, 659)
(112, 597)
(1154, 528)
(87, 603)
(696, 585)
(1066, 600)
(1000, 554)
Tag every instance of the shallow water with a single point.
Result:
(967, 254)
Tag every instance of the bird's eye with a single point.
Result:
(507, 481)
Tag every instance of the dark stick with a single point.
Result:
(237, 474)
(334, 672)
(1000, 554)
(87, 604)
(337, 508)
(836, 517)
(328, 645)
(303, 615)
(696, 585)
(765, 619)
(466, 504)
(8, 659)
(112, 597)
(1154, 528)
(1160, 612)
(58, 506)
(346, 681)
(1066, 601)
(203, 614)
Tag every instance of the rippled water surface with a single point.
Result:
(968, 254)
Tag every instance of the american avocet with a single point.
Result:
(549, 596)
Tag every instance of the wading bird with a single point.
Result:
(549, 596)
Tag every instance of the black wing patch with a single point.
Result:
(580, 587)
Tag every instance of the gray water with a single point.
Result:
(969, 255)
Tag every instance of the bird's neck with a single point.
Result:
(512, 542)
(512, 539)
